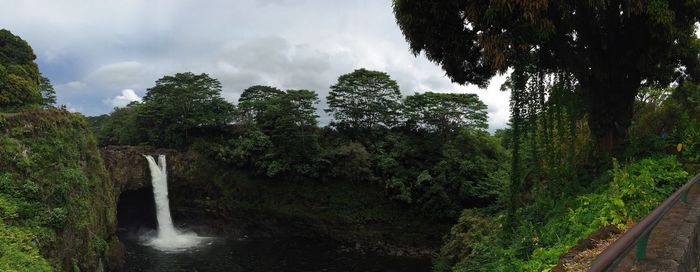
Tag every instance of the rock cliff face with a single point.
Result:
(188, 183)
(129, 171)
(124, 170)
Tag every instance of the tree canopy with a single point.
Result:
(48, 94)
(253, 101)
(181, 103)
(445, 112)
(19, 75)
(290, 122)
(610, 47)
(364, 99)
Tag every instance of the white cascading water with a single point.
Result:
(168, 237)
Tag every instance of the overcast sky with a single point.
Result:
(102, 54)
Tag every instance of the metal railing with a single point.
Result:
(638, 236)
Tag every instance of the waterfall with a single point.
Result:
(168, 238)
(159, 179)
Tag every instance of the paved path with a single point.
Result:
(675, 242)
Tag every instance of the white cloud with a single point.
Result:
(124, 73)
(127, 96)
(91, 50)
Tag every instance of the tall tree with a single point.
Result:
(254, 100)
(365, 99)
(48, 94)
(290, 121)
(611, 47)
(19, 75)
(181, 103)
(445, 112)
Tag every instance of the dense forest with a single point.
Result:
(604, 120)
(428, 150)
(604, 125)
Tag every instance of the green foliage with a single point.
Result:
(48, 94)
(470, 173)
(340, 209)
(438, 161)
(120, 127)
(57, 218)
(665, 118)
(254, 100)
(441, 178)
(19, 251)
(180, 104)
(54, 191)
(175, 112)
(19, 75)
(289, 120)
(74, 266)
(474, 40)
(283, 140)
(364, 99)
(351, 162)
(445, 112)
(471, 244)
(684, 104)
(549, 227)
(245, 150)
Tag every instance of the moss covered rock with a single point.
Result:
(57, 209)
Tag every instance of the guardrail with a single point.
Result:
(638, 236)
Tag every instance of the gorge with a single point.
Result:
(175, 249)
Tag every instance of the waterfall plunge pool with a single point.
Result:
(154, 244)
(265, 255)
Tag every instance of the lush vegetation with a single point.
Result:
(428, 151)
(340, 210)
(56, 204)
(19, 75)
(431, 154)
(610, 48)
(560, 193)
(549, 227)
(590, 81)
(605, 124)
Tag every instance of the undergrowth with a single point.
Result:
(54, 192)
(549, 227)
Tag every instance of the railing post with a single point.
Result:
(641, 249)
(684, 196)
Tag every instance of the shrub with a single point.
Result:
(550, 227)
(57, 218)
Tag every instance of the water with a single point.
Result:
(168, 238)
(265, 255)
(171, 249)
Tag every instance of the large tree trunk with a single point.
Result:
(610, 107)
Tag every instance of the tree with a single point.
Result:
(19, 75)
(365, 99)
(611, 47)
(290, 121)
(253, 101)
(445, 112)
(121, 127)
(294, 110)
(180, 104)
(48, 94)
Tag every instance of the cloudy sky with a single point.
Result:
(102, 54)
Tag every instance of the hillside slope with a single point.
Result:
(57, 209)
